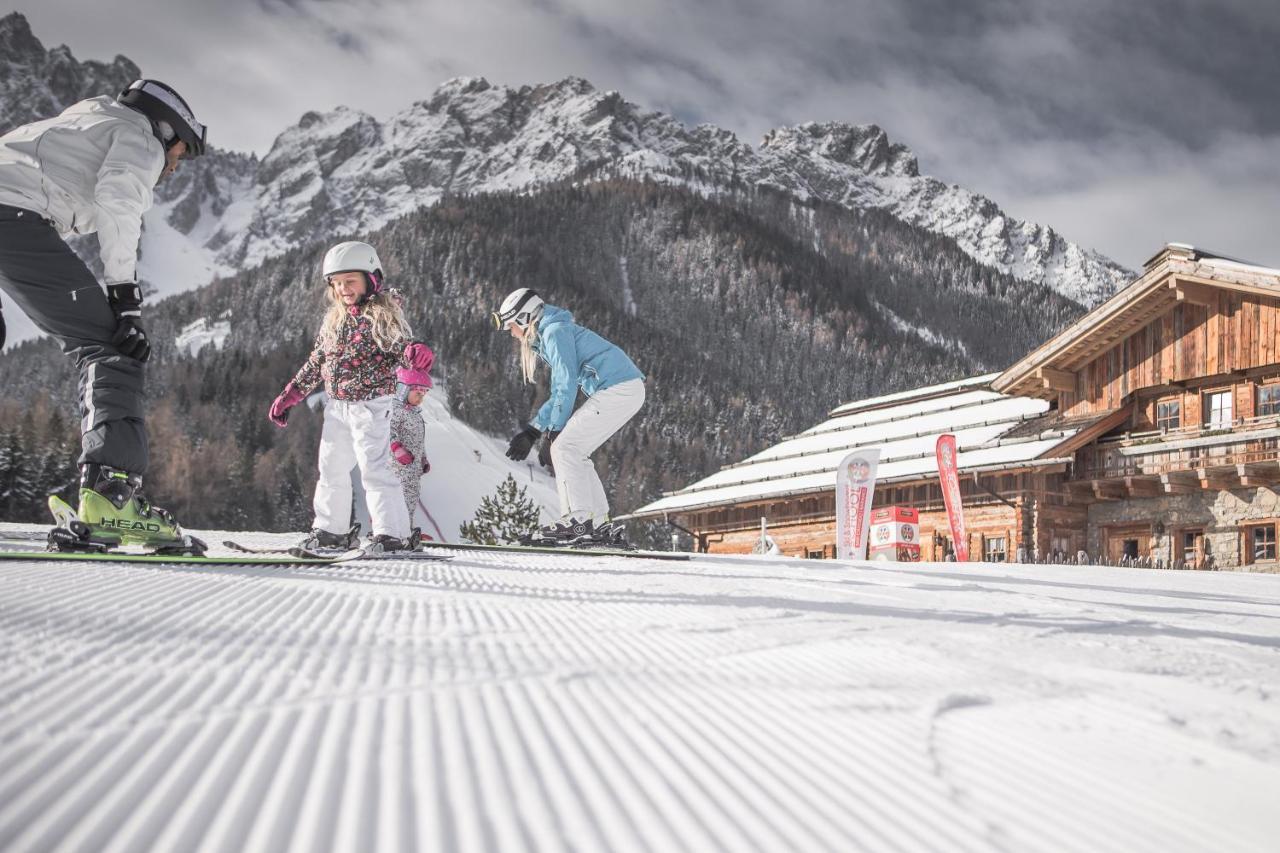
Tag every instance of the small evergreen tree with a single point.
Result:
(502, 517)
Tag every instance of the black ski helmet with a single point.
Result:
(170, 116)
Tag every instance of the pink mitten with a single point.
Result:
(401, 453)
(280, 407)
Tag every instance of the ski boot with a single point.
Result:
(322, 539)
(114, 512)
(384, 543)
(612, 534)
(561, 534)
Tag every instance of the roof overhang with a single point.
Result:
(1042, 466)
(1177, 275)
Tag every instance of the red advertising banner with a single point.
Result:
(951, 496)
(855, 487)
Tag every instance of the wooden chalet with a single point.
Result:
(1148, 430)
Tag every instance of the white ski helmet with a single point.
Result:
(353, 256)
(521, 307)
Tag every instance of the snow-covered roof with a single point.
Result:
(905, 427)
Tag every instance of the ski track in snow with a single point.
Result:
(514, 701)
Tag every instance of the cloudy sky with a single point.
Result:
(1125, 124)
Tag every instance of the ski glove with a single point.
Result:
(129, 338)
(522, 442)
(426, 464)
(401, 453)
(288, 398)
(544, 450)
(419, 356)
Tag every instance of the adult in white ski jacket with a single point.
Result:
(93, 169)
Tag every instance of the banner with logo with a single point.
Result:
(855, 487)
(951, 496)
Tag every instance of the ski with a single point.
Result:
(583, 550)
(129, 557)
(292, 550)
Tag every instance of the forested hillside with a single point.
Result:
(750, 319)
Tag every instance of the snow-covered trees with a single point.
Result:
(752, 318)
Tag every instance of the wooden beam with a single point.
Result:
(1057, 380)
(1179, 483)
(1192, 293)
(1108, 490)
(1143, 487)
(1258, 473)
(1080, 491)
(1216, 480)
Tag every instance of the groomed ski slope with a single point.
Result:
(559, 702)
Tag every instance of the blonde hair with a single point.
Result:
(528, 358)
(385, 315)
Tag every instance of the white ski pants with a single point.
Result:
(604, 412)
(359, 434)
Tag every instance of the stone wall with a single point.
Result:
(1220, 513)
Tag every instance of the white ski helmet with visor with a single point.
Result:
(170, 116)
(521, 307)
(354, 256)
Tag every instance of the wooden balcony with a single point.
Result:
(1179, 461)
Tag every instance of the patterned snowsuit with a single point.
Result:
(360, 380)
(409, 431)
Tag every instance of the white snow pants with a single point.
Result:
(581, 493)
(359, 434)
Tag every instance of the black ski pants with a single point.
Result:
(63, 298)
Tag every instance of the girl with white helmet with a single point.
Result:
(578, 359)
(363, 339)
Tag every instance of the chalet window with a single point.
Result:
(1169, 414)
(1268, 400)
(1217, 409)
(994, 549)
(1191, 543)
(1261, 542)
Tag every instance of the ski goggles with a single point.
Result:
(504, 319)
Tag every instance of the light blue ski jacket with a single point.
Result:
(578, 358)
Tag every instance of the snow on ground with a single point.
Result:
(519, 701)
(198, 334)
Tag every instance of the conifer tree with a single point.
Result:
(503, 517)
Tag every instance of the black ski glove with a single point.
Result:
(522, 442)
(544, 450)
(126, 304)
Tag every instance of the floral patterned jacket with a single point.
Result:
(355, 368)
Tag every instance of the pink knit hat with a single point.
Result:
(411, 377)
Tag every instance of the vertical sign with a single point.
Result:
(951, 495)
(855, 486)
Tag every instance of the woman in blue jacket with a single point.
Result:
(614, 386)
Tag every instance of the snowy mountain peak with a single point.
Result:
(341, 172)
(863, 146)
(36, 83)
(17, 42)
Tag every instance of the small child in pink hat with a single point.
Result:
(409, 431)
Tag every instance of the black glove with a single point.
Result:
(126, 304)
(522, 442)
(544, 450)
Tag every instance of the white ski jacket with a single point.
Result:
(92, 168)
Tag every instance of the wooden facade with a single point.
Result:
(1173, 388)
